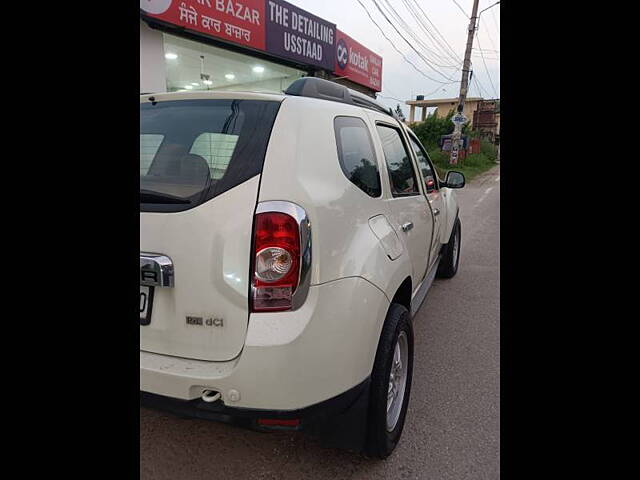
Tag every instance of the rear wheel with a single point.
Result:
(390, 383)
(451, 256)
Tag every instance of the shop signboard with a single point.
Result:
(276, 27)
(357, 63)
(298, 35)
(241, 22)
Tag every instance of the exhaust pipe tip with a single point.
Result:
(210, 396)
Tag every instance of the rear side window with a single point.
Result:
(356, 156)
(401, 174)
(193, 150)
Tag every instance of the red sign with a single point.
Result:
(357, 63)
(236, 21)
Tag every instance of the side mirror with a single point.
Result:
(454, 180)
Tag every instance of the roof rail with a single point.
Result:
(313, 87)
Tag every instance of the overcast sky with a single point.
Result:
(400, 79)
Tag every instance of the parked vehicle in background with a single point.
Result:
(286, 241)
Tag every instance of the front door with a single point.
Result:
(434, 197)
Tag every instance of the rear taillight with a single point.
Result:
(276, 262)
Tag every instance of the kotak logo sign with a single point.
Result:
(357, 63)
(342, 53)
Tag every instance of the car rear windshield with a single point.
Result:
(193, 150)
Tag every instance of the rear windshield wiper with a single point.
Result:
(150, 196)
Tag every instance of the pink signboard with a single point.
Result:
(241, 22)
(357, 63)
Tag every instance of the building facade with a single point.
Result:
(443, 107)
(255, 45)
(483, 115)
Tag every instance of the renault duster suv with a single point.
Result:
(286, 241)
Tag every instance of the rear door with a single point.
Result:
(410, 213)
(200, 166)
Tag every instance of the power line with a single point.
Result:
(486, 58)
(436, 29)
(407, 41)
(392, 98)
(396, 49)
(431, 93)
(486, 50)
(424, 27)
(481, 91)
(495, 22)
(450, 53)
(461, 9)
(398, 18)
(489, 36)
(416, 38)
(485, 67)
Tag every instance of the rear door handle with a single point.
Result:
(436, 212)
(407, 226)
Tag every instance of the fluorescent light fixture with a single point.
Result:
(170, 56)
(258, 69)
(195, 84)
(188, 87)
(229, 76)
(207, 82)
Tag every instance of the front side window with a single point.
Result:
(194, 150)
(401, 174)
(425, 167)
(356, 156)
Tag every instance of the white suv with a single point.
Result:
(286, 241)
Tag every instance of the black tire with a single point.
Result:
(448, 264)
(381, 442)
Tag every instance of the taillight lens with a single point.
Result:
(276, 264)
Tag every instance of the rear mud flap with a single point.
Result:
(347, 428)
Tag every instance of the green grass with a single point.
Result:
(471, 167)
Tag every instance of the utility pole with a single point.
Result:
(464, 86)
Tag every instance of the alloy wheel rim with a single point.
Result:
(397, 381)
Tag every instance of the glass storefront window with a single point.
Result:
(195, 66)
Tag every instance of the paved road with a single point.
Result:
(453, 425)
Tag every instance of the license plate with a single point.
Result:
(146, 304)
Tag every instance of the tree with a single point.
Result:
(430, 131)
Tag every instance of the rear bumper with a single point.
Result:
(351, 404)
(291, 361)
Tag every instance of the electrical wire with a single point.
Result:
(485, 66)
(488, 35)
(449, 53)
(407, 42)
(418, 40)
(461, 9)
(402, 54)
(455, 55)
(495, 22)
(392, 98)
